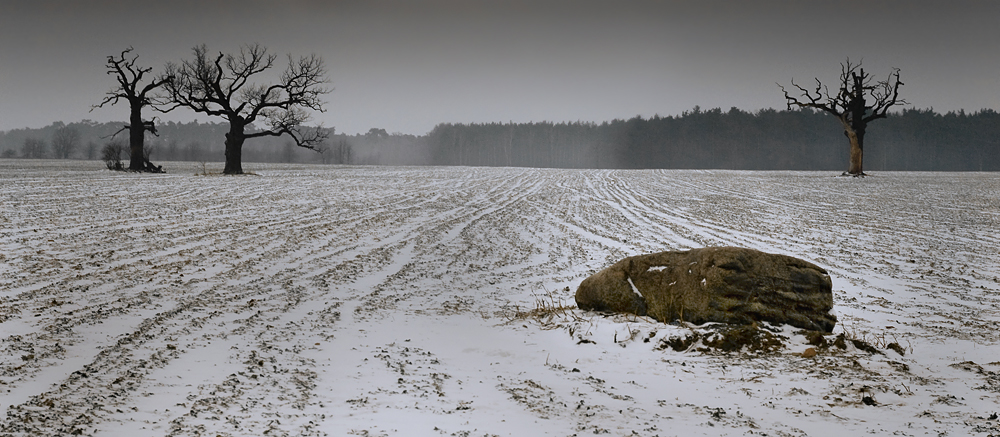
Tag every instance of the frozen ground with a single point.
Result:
(380, 301)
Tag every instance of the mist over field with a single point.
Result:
(914, 140)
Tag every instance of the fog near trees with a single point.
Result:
(914, 139)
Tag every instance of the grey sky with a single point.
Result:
(407, 65)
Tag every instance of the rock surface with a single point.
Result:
(714, 284)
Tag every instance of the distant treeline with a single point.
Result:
(764, 140)
(197, 142)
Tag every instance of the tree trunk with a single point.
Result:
(857, 153)
(234, 148)
(136, 134)
(858, 125)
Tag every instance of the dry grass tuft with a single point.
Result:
(547, 310)
(871, 341)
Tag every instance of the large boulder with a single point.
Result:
(714, 284)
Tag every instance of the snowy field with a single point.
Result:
(424, 301)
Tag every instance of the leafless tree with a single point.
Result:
(339, 153)
(224, 87)
(111, 154)
(33, 148)
(850, 106)
(65, 140)
(129, 76)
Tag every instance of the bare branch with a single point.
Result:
(886, 95)
(225, 87)
(125, 127)
(851, 104)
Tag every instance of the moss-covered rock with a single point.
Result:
(715, 284)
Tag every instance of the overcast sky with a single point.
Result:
(405, 66)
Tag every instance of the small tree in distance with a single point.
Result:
(33, 148)
(223, 87)
(64, 141)
(850, 106)
(111, 154)
(128, 88)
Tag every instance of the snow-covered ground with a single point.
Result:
(424, 301)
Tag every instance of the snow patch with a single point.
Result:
(634, 288)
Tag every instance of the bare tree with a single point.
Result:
(64, 141)
(33, 148)
(339, 153)
(111, 154)
(223, 87)
(850, 106)
(129, 77)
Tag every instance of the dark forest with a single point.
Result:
(914, 140)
